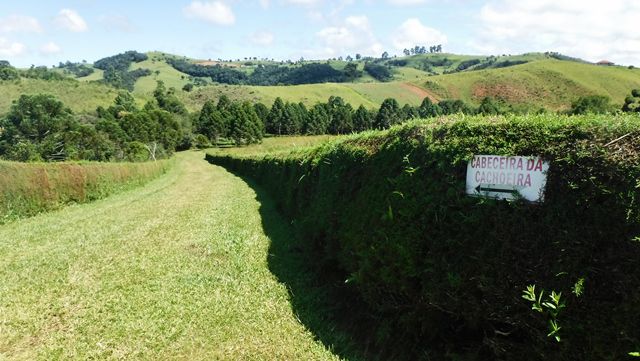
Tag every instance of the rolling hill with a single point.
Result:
(526, 82)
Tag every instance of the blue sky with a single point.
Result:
(46, 32)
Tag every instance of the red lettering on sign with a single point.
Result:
(527, 181)
(512, 163)
(520, 179)
(520, 166)
(530, 164)
(538, 165)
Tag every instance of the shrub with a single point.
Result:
(387, 213)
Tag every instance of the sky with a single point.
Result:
(48, 32)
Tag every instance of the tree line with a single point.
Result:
(41, 128)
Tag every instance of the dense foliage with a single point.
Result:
(40, 128)
(310, 73)
(443, 273)
(8, 72)
(120, 61)
(116, 69)
(77, 69)
(228, 120)
(378, 72)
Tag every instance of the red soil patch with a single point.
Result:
(509, 92)
(422, 93)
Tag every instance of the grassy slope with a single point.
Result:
(550, 83)
(542, 82)
(130, 278)
(81, 97)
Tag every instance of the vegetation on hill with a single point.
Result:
(442, 273)
(116, 69)
(40, 127)
(264, 75)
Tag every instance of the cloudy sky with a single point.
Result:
(46, 32)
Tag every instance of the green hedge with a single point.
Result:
(30, 188)
(388, 211)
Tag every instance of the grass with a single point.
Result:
(275, 145)
(174, 270)
(30, 188)
(81, 97)
(553, 84)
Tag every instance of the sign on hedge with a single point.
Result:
(502, 177)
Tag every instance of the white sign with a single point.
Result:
(501, 177)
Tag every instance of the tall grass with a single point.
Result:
(30, 188)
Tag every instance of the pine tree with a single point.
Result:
(362, 119)
(428, 109)
(211, 122)
(317, 120)
(389, 114)
(275, 117)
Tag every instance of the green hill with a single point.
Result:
(527, 82)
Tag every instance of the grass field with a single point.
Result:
(553, 84)
(275, 145)
(178, 269)
(81, 97)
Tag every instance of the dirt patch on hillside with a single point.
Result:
(422, 93)
(509, 92)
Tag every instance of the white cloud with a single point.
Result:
(412, 32)
(593, 30)
(50, 48)
(11, 49)
(351, 36)
(69, 19)
(215, 12)
(20, 24)
(261, 38)
(117, 22)
(264, 4)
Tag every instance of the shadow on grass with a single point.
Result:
(332, 314)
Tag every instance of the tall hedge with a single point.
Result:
(444, 271)
(30, 188)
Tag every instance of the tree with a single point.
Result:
(428, 109)
(8, 72)
(454, 106)
(409, 112)
(388, 114)
(340, 116)
(351, 71)
(274, 120)
(362, 119)
(262, 111)
(211, 123)
(406, 52)
(591, 104)
(358, 56)
(317, 121)
(488, 107)
(632, 102)
(187, 87)
(385, 55)
(167, 100)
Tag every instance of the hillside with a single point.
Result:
(527, 82)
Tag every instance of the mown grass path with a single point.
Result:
(176, 269)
